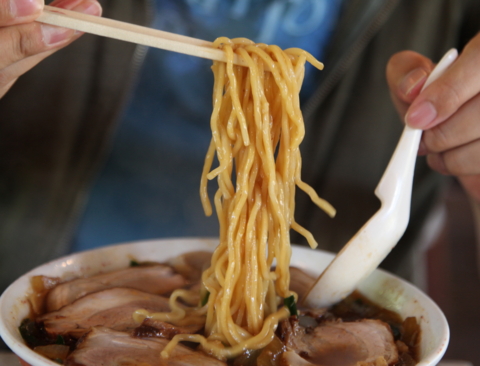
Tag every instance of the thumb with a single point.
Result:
(406, 73)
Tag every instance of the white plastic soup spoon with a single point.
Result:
(372, 243)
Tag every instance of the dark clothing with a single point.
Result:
(58, 121)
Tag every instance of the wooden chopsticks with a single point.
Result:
(132, 33)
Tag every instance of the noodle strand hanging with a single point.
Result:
(257, 128)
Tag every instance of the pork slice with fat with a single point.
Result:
(191, 264)
(155, 279)
(300, 281)
(112, 308)
(336, 343)
(157, 328)
(106, 347)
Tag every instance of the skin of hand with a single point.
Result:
(24, 42)
(448, 111)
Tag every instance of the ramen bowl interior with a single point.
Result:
(381, 287)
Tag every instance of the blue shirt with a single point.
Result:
(149, 187)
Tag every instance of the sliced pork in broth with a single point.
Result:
(192, 264)
(98, 328)
(106, 347)
(112, 308)
(300, 282)
(158, 328)
(338, 343)
(155, 279)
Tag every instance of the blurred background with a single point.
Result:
(453, 273)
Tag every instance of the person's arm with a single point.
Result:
(24, 43)
(448, 111)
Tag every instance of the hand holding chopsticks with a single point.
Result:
(132, 33)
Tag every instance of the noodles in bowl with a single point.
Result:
(238, 306)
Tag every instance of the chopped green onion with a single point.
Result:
(289, 302)
(134, 263)
(205, 298)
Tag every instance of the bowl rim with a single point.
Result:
(301, 257)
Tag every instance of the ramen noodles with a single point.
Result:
(257, 127)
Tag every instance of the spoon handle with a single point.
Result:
(372, 243)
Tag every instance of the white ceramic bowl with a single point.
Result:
(385, 289)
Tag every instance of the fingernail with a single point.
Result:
(23, 8)
(412, 81)
(65, 4)
(53, 36)
(82, 6)
(421, 115)
(88, 7)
